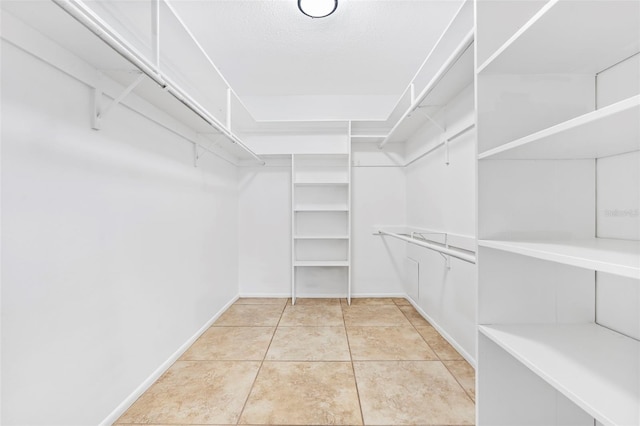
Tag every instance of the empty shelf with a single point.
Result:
(583, 48)
(311, 208)
(320, 183)
(321, 263)
(321, 237)
(619, 257)
(608, 131)
(457, 74)
(596, 368)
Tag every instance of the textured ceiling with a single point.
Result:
(267, 48)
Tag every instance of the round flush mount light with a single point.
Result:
(317, 8)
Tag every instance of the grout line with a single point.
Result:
(423, 338)
(353, 369)
(473, 400)
(275, 330)
(442, 361)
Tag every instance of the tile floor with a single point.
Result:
(320, 362)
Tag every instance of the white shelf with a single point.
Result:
(320, 209)
(595, 35)
(321, 263)
(596, 368)
(321, 183)
(619, 257)
(368, 138)
(608, 131)
(321, 237)
(457, 76)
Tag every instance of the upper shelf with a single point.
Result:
(596, 368)
(619, 257)
(595, 35)
(608, 131)
(327, 182)
(453, 76)
(182, 81)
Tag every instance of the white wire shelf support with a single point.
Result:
(149, 67)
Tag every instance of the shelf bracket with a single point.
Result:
(442, 128)
(197, 154)
(446, 152)
(419, 109)
(98, 111)
(447, 258)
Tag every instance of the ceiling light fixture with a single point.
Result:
(317, 8)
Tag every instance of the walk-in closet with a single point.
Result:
(320, 212)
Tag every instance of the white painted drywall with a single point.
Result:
(329, 107)
(618, 207)
(377, 198)
(115, 249)
(264, 231)
(441, 197)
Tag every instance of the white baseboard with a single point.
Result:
(379, 295)
(265, 295)
(124, 405)
(471, 360)
(323, 295)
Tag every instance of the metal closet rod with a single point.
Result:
(451, 61)
(85, 16)
(470, 258)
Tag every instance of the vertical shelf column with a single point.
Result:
(321, 225)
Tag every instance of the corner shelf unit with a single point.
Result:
(555, 346)
(321, 224)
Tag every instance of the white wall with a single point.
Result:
(115, 249)
(378, 198)
(264, 231)
(618, 207)
(331, 107)
(441, 198)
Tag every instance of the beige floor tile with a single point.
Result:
(196, 392)
(401, 301)
(414, 316)
(388, 343)
(281, 301)
(440, 346)
(312, 315)
(464, 374)
(381, 315)
(250, 316)
(358, 301)
(231, 343)
(305, 301)
(309, 344)
(411, 392)
(303, 393)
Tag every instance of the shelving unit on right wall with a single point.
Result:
(558, 113)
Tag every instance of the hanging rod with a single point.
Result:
(441, 144)
(85, 16)
(450, 62)
(458, 254)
